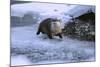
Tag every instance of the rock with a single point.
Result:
(83, 28)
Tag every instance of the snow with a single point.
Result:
(20, 60)
(48, 9)
(28, 48)
(79, 10)
(41, 7)
(41, 50)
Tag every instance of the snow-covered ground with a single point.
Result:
(28, 48)
(41, 50)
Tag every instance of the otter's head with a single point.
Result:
(56, 26)
(56, 23)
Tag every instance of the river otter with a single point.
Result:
(51, 27)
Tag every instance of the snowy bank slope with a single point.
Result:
(37, 7)
(61, 11)
(50, 9)
(40, 50)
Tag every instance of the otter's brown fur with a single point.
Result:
(45, 28)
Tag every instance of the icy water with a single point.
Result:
(29, 48)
